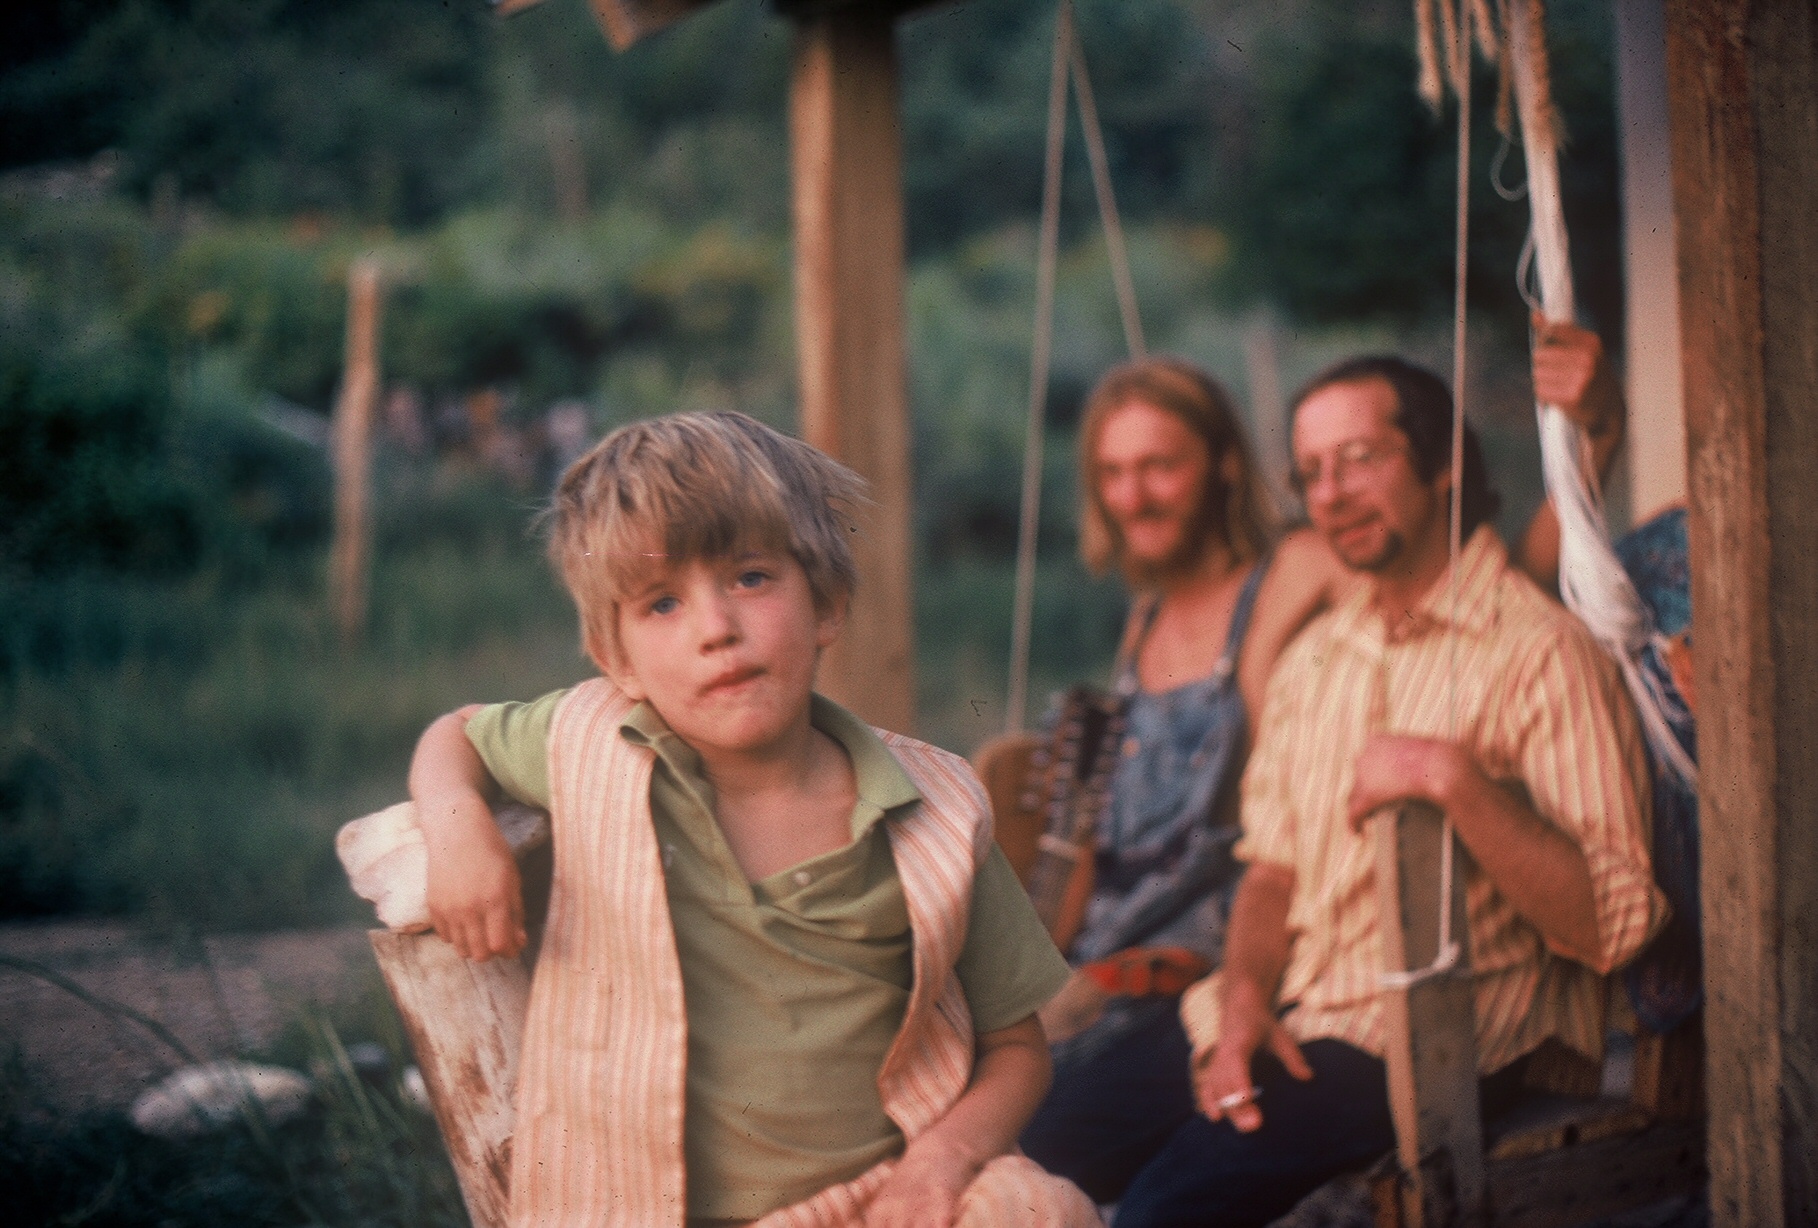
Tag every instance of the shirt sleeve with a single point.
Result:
(512, 740)
(1582, 762)
(1009, 966)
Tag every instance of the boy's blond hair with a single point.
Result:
(668, 490)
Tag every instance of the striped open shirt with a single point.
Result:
(1513, 677)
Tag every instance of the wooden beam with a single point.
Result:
(846, 163)
(1743, 92)
(1656, 437)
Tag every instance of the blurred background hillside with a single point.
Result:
(576, 238)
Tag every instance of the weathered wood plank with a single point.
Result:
(1669, 1072)
(1743, 100)
(1542, 1123)
(1432, 1036)
(846, 166)
(465, 1022)
(1656, 395)
(1579, 1184)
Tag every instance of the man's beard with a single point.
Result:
(1197, 534)
(1394, 545)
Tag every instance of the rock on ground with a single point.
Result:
(236, 1001)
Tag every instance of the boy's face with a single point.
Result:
(725, 649)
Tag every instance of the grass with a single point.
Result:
(360, 1156)
(184, 752)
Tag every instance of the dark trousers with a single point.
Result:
(1109, 1113)
(1209, 1173)
(1122, 1126)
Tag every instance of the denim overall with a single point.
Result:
(1164, 874)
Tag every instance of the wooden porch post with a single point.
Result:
(1743, 98)
(1656, 440)
(846, 171)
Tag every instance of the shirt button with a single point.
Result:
(802, 878)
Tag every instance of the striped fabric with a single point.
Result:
(1513, 677)
(601, 1089)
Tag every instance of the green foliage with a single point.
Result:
(186, 751)
(975, 89)
(266, 107)
(99, 469)
(1345, 208)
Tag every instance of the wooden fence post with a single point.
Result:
(352, 435)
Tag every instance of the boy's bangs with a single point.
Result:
(680, 525)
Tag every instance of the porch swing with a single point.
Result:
(1566, 1153)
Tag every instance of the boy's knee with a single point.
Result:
(1015, 1190)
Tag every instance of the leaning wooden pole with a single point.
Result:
(352, 434)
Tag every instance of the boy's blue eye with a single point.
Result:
(752, 578)
(664, 605)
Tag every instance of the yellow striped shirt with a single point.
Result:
(1515, 679)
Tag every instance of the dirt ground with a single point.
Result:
(234, 1001)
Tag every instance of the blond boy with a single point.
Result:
(786, 976)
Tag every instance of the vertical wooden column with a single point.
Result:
(352, 435)
(846, 165)
(1656, 439)
(1743, 92)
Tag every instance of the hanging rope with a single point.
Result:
(1107, 202)
(1048, 251)
(1068, 55)
(1456, 25)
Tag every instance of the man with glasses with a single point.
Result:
(1450, 681)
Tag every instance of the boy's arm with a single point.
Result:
(1009, 1078)
(475, 900)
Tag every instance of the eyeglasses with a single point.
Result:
(1348, 458)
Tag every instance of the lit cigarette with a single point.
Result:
(1225, 1104)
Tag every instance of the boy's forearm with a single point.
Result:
(475, 900)
(1009, 1078)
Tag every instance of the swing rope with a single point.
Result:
(1456, 26)
(1068, 57)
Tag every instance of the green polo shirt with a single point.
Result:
(797, 984)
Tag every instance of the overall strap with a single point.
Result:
(1124, 679)
(1240, 617)
(1123, 676)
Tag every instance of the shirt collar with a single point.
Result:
(1471, 610)
(881, 782)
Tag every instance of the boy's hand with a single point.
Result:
(924, 1191)
(475, 900)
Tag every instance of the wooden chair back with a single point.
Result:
(1565, 1154)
